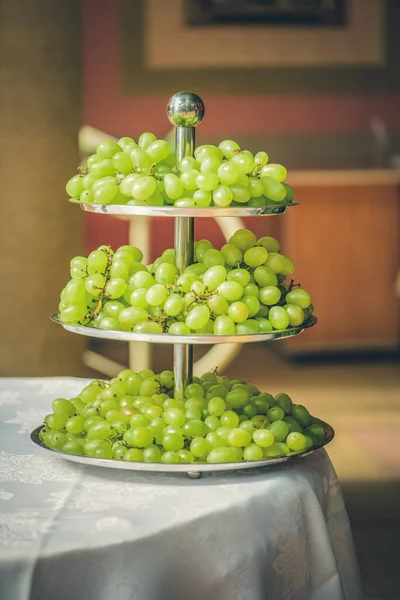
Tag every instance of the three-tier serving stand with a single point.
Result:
(185, 111)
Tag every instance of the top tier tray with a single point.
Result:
(125, 210)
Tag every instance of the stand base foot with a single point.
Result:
(193, 474)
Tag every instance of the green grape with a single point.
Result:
(275, 413)
(143, 188)
(224, 325)
(290, 193)
(94, 284)
(143, 279)
(127, 143)
(296, 441)
(243, 239)
(277, 172)
(140, 437)
(248, 327)
(212, 422)
(218, 305)
(198, 317)
(133, 455)
(256, 188)
(279, 429)
(232, 255)
(210, 164)
(97, 262)
(174, 416)
(259, 201)
(200, 447)
(140, 159)
(222, 196)
(229, 419)
(74, 292)
(240, 193)
(61, 406)
(172, 442)
(278, 317)
(131, 316)
(214, 276)
(122, 162)
(273, 189)
(244, 160)
(216, 406)
(72, 314)
(169, 457)
(317, 430)
(127, 182)
(215, 440)
(152, 454)
(119, 269)
(251, 289)
(93, 158)
(194, 390)
(265, 277)
(195, 428)
(158, 150)
(207, 182)
(73, 447)
(185, 456)
(252, 452)
(201, 248)
(270, 295)
(202, 198)
(229, 148)
(192, 413)
(102, 168)
(188, 163)
(263, 402)
(253, 305)
(255, 257)
(299, 298)
(301, 414)
(288, 266)
(108, 323)
(238, 398)
(238, 312)
(217, 390)
(100, 431)
(173, 305)
(115, 288)
(166, 274)
(238, 438)
(206, 151)
(156, 295)
(261, 159)
(228, 173)
(241, 276)
(230, 290)
(189, 178)
(56, 421)
(173, 186)
(179, 329)
(74, 186)
(295, 313)
(293, 425)
(138, 298)
(222, 454)
(275, 262)
(107, 149)
(212, 258)
(263, 438)
(146, 139)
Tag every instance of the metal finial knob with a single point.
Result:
(185, 109)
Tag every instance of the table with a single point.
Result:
(69, 532)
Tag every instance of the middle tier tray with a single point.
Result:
(166, 338)
(175, 211)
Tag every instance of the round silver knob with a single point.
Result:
(185, 109)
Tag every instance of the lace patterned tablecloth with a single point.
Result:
(71, 532)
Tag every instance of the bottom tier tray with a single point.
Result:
(166, 338)
(193, 470)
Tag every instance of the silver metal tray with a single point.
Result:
(165, 338)
(174, 211)
(193, 470)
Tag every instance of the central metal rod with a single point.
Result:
(185, 111)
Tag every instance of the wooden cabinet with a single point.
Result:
(344, 240)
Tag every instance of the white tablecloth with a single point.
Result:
(69, 532)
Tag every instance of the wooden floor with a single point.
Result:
(361, 400)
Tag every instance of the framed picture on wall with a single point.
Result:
(267, 12)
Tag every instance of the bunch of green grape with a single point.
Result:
(238, 289)
(135, 417)
(146, 173)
